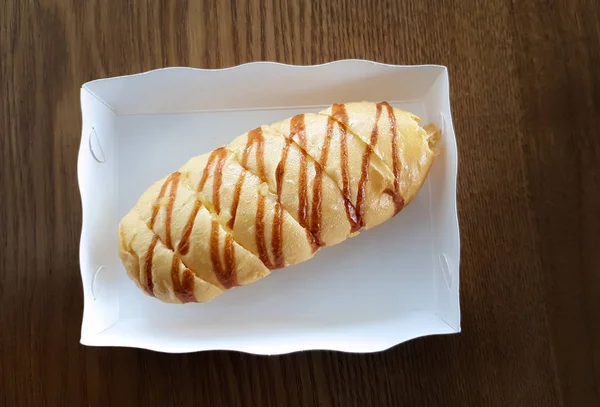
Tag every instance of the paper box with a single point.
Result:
(392, 283)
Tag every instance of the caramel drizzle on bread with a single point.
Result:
(308, 218)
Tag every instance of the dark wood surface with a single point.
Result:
(525, 78)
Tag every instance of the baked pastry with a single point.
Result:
(272, 198)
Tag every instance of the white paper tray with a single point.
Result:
(388, 285)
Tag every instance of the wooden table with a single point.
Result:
(525, 80)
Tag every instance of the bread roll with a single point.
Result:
(272, 198)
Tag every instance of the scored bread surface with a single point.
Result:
(272, 198)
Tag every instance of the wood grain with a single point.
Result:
(526, 102)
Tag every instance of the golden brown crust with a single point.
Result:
(272, 198)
